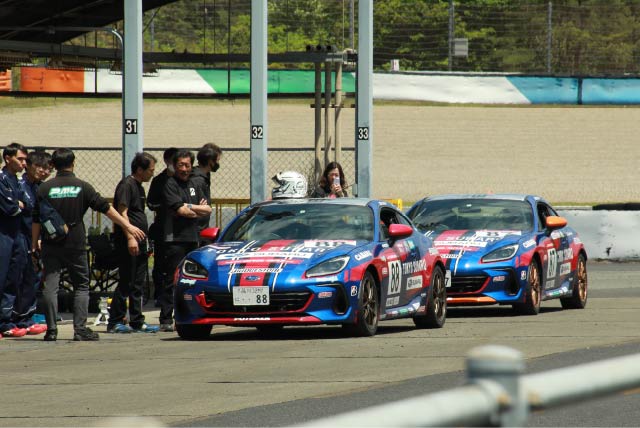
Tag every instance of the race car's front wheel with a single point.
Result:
(436, 313)
(193, 331)
(368, 307)
(533, 293)
(578, 299)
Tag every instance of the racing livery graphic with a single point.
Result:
(350, 262)
(505, 249)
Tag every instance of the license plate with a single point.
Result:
(250, 296)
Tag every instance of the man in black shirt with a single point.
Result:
(129, 200)
(183, 204)
(208, 161)
(154, 202)
(71, 198)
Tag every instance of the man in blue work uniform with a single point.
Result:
(38, 170)
(13, 244)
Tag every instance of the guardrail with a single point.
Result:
(497, 394)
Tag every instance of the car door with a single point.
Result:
(405, 264)
(558, 252)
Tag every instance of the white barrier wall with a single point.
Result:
(609, 235)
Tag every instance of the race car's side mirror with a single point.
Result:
(399, 231)
(210, 233)
(555, 222)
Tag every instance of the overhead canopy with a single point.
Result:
(43, 15)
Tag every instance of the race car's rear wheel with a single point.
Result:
(436, 313)
(578, 300)
(533, 293)
(193, 331)
(368, 307)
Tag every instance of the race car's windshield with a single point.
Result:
(302, 221)
(472, 214)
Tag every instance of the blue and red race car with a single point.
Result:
(350, 262)
(505, 249)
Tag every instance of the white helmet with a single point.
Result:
(290, 184)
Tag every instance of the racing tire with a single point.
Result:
(578, 299)
(436, 311)
(533, 293)
(366, 322)
(193, 331)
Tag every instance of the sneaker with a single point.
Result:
(167, 328)
(146, 328)
(15, 332)
(51, 335)
(36, 329)
(119, 328)
(85, 334)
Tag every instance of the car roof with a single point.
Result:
(493, 196)
(337, 201)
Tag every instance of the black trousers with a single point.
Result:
(132, 271)
(173, 253)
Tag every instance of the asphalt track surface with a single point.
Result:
(240, 378)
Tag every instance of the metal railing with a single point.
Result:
(497, 394)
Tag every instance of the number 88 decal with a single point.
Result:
(395, 277)
(552, 265)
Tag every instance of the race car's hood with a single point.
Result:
(482, 241)
(261, 262)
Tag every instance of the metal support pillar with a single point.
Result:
(364, 100)
(338, 110)
(318, 122)
(132, 119)
(258, 131)
(327, 113)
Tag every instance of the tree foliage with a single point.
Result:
(573, 37)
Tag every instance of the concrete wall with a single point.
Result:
(609, 235)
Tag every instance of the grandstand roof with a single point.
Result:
(33, 20)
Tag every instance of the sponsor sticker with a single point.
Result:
(523, 275)
(414, 282)
(242, 319)
(187, 296)
(328, 243)
(528, 244)
(325, 294)
(255, 270)
(354, 290)
(414, 266)
(499, 278)
(565, 268)
(392, 301)
(265, 255)
(187, 281)
(363, 255)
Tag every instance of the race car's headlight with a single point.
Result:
(193, 269)
(330, 267)
(504, 253)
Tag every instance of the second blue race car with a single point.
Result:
(349, 262)
(505, 249)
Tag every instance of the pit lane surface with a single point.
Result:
(241, 378)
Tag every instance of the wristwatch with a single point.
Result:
(189, 206)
